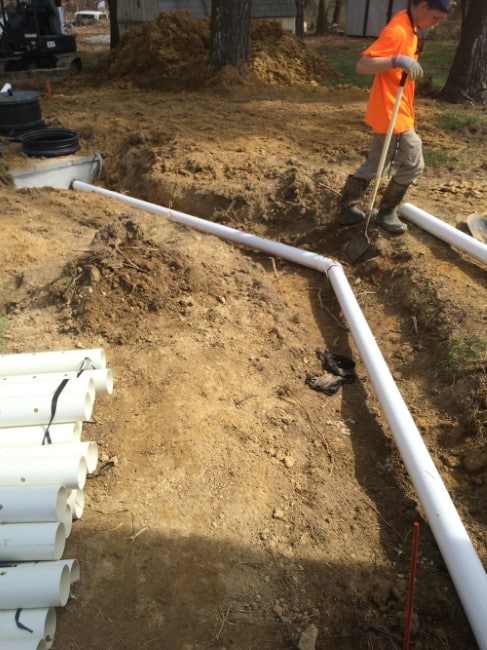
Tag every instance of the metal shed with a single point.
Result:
(133, 12)
(367, 18)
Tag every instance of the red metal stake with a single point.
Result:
(412, 580)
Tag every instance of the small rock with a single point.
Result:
(307, 640)
(278, 514)
(289, 461)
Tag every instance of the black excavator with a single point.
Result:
(32, 37)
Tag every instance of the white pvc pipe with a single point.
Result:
(35, 541)
(32, 504)
(444, 231)
(66, 433)
(88, 450)
(41, 386)
(102, 377)
(36, 410)
(27, 363)
(39, 622)
(290, 253)
(68, 521)
(69, 471)
(76, 500)
(51, 581)
(47, 388)
(458, 552)
(23, 644)
(72, 564)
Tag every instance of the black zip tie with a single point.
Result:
(20, 625)
(47, 436)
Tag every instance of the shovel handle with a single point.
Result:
(385, 146)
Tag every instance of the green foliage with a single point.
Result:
(455, 353)
(342, 58)
(342, 55)
(437, 59)
(440, 158)
(462, 122)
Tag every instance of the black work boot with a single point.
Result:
(387, 215)
(352, 192)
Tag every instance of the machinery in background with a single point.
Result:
(32, 37)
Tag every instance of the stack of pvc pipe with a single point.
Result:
(44, 399)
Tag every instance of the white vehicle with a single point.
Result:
(86, 17)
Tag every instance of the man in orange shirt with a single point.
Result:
(394, 51)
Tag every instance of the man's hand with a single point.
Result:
(411, 66)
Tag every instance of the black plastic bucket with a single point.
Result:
(20, 112)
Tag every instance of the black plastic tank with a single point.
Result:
(20, 111)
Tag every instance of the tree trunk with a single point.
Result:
(321, 21)
(299, 26)
(230, 35)
(114, 32)
(336, 12)
(467, 79)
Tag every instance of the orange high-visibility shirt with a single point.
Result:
(397, 37)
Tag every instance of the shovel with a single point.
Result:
(359, 244)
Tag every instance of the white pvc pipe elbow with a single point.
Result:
(87, 450)
(32, 541)
(40, 503)
(31, 436)
(69, 471)
(35, 362)
(36, 410)
(444, 231)
(39, 622)
(51, 580)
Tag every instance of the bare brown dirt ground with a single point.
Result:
(234, 507)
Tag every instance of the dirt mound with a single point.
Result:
(172, 53)
(123, 278)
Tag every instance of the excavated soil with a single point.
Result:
(235, 507)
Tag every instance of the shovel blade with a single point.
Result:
(357, 247)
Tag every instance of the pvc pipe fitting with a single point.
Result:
(51, 580)
(39, 622)
(87, 450)
(69, 471)
(40, 503)
(34, 541)
(35, 362)
(31, 436)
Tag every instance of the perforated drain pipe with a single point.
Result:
(444, 231)
(457, 550)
